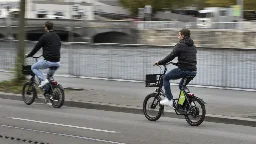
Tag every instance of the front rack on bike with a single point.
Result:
(153, 80)
(26, 70)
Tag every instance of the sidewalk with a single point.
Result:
(219, 102)
(127, 94)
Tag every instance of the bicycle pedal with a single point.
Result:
(46, 101)
(51, 98)
(181, 111)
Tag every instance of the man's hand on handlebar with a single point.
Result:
(26, 56)
(156, 63)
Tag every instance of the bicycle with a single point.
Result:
(52, 91)
(184, 105)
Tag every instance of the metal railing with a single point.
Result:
(139, 25)
(234, 68)
(162, 25)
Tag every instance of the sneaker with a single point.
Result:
(167, 102)
(43, 83)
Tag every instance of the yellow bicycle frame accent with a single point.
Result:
(181, 98)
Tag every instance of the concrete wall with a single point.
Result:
(202, 38)
(174, 17)
(111, 9)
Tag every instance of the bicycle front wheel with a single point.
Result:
(29, 93)
(152, 108)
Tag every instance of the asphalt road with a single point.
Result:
(43, 124)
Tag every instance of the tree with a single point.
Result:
(133, 5)
(248, 4)
(21, 43)
(221, 3)
(200, 4)
(157, 5)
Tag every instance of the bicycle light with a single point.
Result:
(191, 94)
(54, 83)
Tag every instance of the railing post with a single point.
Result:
(110, 63)
(224, 69)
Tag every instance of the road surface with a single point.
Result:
(43, 124)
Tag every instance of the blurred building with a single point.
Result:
(111, 9)
(54, 9)
(60, 9)
(65, 9)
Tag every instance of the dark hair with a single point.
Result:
(49, 25)
(185, 32)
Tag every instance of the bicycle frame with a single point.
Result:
(160, 92)
(33, 80)
(184, 105)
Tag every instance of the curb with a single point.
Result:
(75, 89)
(138, 110)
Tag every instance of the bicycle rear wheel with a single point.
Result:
(29, 93)
(194, 112)
(155, 109)
(58, 96)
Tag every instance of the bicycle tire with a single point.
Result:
(199, 122)
(160, 111)
(61, 90)
(34, 91)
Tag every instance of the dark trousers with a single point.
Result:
(174, 75)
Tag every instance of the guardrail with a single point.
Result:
(161, 25)
(234, 68)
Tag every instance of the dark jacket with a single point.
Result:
(51, 44)
(186, 52)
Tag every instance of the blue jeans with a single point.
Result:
(43, 64)
(174, 75)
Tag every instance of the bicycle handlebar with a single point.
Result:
(165, 69)
(176, 64)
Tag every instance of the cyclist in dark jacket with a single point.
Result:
(51, 44)
(186, 52)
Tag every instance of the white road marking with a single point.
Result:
(63, 125)
(65, 135)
